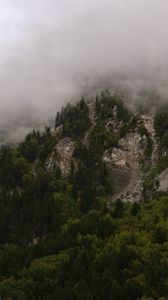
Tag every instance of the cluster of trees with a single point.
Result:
(105, 104)
(74, 119)
(161, 127)
(60, 238)
(121, 253)
(37, 145)
(108, 106)
(100, 139)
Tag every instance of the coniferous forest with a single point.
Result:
(61, 235)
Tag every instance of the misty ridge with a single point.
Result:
(52, 52)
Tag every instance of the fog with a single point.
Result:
(53, 51)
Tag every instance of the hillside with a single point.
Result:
(84, 206)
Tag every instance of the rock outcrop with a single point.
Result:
(148, 121)
(61, 157)
(163, 181)
(114, 124)
(129, 153)
(125, 162)
(92, 117)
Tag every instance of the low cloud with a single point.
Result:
(54, 51)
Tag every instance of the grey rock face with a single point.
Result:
(126, 162)
(129, 153)
(148, 121)
(61, 156)
(163, 181)
(92, 117)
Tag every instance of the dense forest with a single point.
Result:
(62, 237)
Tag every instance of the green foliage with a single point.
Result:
(74, 119)
(37, 145)
(161, 127)
(104, 258)
(135, 208)
(161, 122)
(62, 238)
(100, 139)
(106, 104)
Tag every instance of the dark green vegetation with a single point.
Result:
(161, 127)
(74, 119)
(59, 237)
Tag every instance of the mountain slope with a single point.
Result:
(128, 145)
(83, 206)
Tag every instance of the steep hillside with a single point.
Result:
(84, 206)
(126, 142)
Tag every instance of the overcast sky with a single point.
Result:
(51, 51)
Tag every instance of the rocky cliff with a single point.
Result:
(130, 156)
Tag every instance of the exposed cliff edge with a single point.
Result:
(127, 143)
